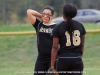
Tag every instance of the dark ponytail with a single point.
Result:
(69, 11)
(69, 25)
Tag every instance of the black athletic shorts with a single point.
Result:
(42, 65)
(69, 64)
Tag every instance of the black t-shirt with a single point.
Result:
(69, 43)
(44, 37)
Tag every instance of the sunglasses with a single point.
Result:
(47, 15)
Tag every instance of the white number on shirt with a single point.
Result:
(76, 38)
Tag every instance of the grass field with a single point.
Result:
(18, 53)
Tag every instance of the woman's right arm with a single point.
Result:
(32, 14)
(83, 41)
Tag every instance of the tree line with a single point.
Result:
(14, 11)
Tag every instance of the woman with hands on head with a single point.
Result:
(44, 37)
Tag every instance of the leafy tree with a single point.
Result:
(16, 9)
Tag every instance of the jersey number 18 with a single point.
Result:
(76, 38)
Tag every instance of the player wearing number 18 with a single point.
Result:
(70, 35)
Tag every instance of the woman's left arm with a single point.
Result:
(54, 51)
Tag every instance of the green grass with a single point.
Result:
(18, 53)
(90, 26)
(11, 28)
(29, 27)
(91, 54)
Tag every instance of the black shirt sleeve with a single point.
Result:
(84, 31)
(36, 24)
(55, 32)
